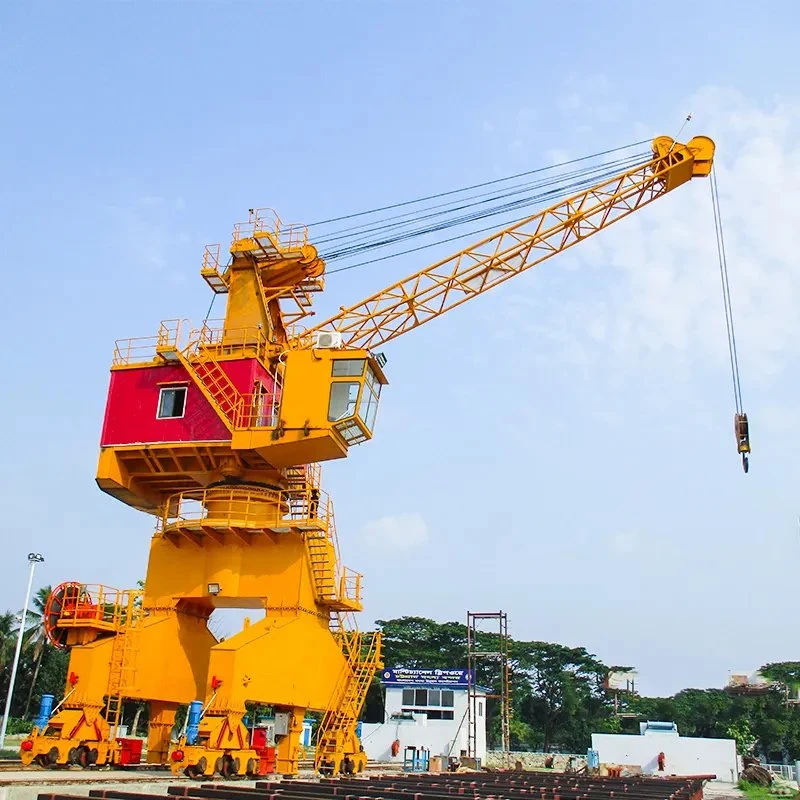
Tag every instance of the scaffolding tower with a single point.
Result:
(487, 640)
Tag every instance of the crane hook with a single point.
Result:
(741, 428)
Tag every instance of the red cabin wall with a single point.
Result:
(132, 404)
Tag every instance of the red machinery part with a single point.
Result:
(63, 598)
(131, 751)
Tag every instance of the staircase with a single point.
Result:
(127, 615)
(322, 562)
(336, 736)
(302, 479)
(302, 484)
(214, 383)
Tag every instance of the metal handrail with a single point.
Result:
(247, 507)
(95, 604)
(211, 258)
(265, 220)
(258, 410)
(227, 341)
(144, 349)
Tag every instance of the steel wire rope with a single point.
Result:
(475, 185)
(588, 179)
(726, 294)
(354, 242)
(550, 195)
(366, 228)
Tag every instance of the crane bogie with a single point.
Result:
(219, 434)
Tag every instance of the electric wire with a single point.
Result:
(726, 294)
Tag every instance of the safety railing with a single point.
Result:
(211, 262)
(228, 342)
(145, 349)
(266, 221)
(350, 585)
(246, 508)
(786, 771)
(258, 410)
(95, 606)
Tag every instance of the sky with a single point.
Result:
(560, 448)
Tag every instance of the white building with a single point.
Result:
(683, 755)
(426, 708)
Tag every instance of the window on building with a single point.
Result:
(480, 709)
(171, 402)
(433, 702)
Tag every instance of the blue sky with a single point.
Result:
(561, 448)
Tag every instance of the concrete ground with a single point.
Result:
(718, 790)
(28, 784)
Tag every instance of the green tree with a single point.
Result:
(35, 638)
(8, 638)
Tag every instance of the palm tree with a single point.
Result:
(35, 638)
(8, 637)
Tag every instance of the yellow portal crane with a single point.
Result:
(219, 434)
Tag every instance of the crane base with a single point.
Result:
(70, 740)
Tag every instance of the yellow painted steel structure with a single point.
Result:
(241, 520)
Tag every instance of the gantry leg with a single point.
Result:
(167, 667)
(162, 720)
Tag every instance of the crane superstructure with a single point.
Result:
(218, 433)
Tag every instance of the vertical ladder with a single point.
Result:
(321, 558)
(127, 613)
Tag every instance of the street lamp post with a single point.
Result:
(33, 560)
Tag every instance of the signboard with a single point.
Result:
(425, 677)
(621, 681)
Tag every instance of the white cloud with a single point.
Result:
(591, 98)
(648, 288)
(623, 543)
(399, 532)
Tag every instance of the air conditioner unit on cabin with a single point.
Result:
(328, 339)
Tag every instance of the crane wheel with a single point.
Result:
(84, 758)
(229, 768)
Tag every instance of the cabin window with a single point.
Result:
(348, 367)
(368, 408)
(344, 397)
(171, 402)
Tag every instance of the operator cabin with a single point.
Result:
(426, 708)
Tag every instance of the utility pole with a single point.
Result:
(33, 560)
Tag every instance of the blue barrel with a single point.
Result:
(193, 726)
(45, 709)
(592, 759)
